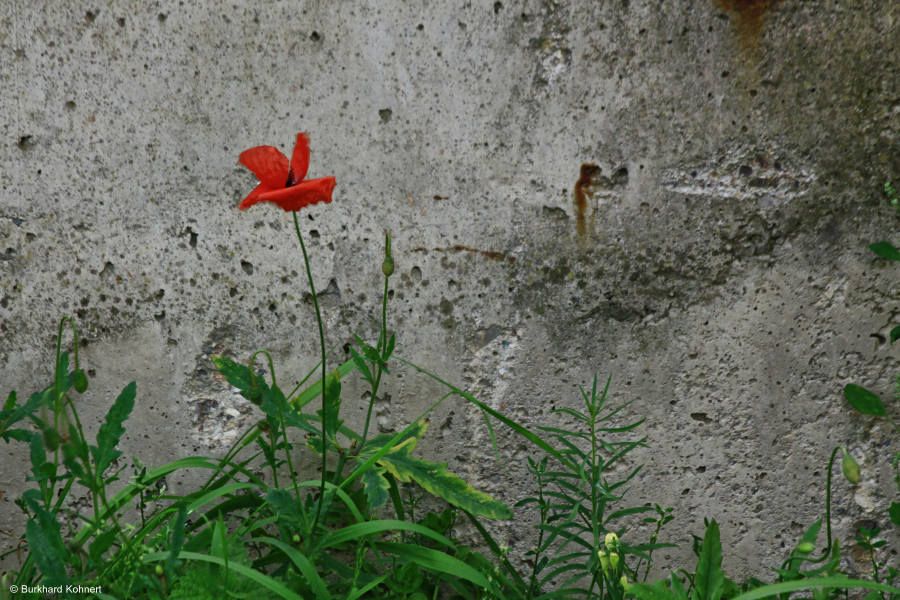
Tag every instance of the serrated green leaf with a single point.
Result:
(361, 365)
(885, 250)
(709, 580)
(112, 430)
(435, 478)
(413, 433)
(49, 561)
(376, 487)
(864, 401)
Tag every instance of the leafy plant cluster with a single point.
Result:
(349, 531)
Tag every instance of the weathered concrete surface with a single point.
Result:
(714, 261)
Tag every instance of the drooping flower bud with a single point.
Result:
(850, 468)
(387, 267)
(624, 582)
(51, 438)
(604, 560)
(81, 381)
(614, 560)
(296, 538)
(612, 541)
(806, 547)
(159, 570)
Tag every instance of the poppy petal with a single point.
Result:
(253, 197)
(302, 194)
(300, 157)
(268, 164)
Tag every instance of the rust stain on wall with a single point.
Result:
(750, 15)
(460, 248)
(583, 193)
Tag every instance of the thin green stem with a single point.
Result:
(312, 289)
(382, 344)
(287, 450)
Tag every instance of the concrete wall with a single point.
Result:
(675, 192)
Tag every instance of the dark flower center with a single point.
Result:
(290, 179)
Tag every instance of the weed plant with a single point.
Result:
(322, 536)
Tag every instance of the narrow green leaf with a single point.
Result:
(315, 390)
(304, 566)
(435, 561)
(813, 584)
(264, 580)
(177, 541)
(885, 250)
(523, 431)
(709, 581)
(894, 512)
(864, 401)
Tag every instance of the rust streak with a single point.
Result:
(583, 194)
(750, 16)
(460, 248)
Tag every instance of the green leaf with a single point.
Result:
(709, 581)
(46, 555)
(250, 387)
(658, 591)
(885, 250)
(894, 512)
(864, 401)
(435, 478)
(331, 404)
(11, 400)
(895, 334)
(812, 584)
(111, 432)
(361, 365)
(264, 580)
(376, 487)
(313, 391)
(435, 561)
(177, 541)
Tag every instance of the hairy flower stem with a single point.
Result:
(312, 289)
(382, 344)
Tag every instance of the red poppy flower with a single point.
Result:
(282, 183)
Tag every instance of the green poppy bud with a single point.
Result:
(612, 540)
(850, 468)
(387, 267)
(159, 570)
(805, 547)
(614, 560)
(296, 539)
(51, 439)
(604, 560)
(624, 582)
(81, 381)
